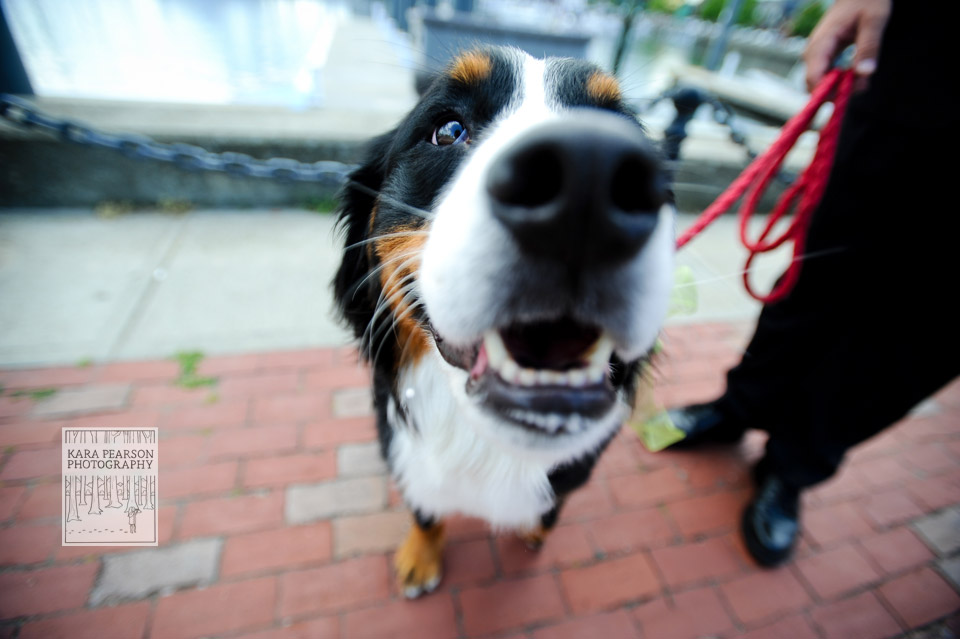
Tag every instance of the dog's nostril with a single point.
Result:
(636, 187)
(529, 179)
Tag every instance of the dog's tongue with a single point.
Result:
(481, 364)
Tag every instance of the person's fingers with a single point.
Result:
(821, 49)
(869, 34)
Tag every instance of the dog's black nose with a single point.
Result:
(586, 189)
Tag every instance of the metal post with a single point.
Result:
(719, 47)
(13, 77)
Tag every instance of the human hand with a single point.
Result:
(859, 22)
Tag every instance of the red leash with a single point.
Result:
(836, 85)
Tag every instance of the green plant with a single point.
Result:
(712, 9)
(36, 394)
(806, 19)
(189, 360)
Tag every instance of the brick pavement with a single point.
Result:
(276, 520)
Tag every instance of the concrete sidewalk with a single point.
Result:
(277, 520)
(77, 287)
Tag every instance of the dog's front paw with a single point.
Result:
(533, 539)
(419, 561)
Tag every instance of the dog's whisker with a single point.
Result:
(385, 236)
(378, 269)
(363, 188)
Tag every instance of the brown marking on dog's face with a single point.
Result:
(471, 68)
(604, 88)
(419, 560)
(400, 256)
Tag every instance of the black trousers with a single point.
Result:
(870, 329)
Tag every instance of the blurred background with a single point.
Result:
(175, 259)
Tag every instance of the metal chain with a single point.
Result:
(184, 156)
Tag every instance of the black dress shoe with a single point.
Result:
(704, 424)
(771, 522)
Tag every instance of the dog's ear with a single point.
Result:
(355, 293)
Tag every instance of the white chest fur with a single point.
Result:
(444, 462)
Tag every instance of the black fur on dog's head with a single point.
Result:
(445, 247)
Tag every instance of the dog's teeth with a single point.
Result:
(602, 350)
(577, 377)
(528, 376)
(596, 373)
(496, 350)
(510, 371)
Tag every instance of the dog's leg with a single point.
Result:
(419, 560)
(534, 538)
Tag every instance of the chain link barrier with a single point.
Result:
(185, 156)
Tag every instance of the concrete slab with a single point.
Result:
(149, 284)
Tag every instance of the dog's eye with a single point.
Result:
(452, 132)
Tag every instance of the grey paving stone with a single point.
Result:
(951, 570)
(357, 460)
(139, 574)
(941, 531)
(88, 399)
(352, 402)
(310, 502)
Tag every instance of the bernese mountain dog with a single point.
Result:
(507, 262)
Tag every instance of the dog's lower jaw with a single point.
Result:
(448, 456)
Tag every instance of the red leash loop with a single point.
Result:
(808, 188)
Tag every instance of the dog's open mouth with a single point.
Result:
(552, 377)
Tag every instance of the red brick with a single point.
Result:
(692, 563)
(695, 613)
(259, 384)
(91, 624)
(232, 515)
(882, 472)
(156, 395)
(10, 498)
(794, 627)
(509, 604)
(152, 371)
(646, 489)
(227, 414)
(431, 617)
(629, 531)
(19, 407)
(333, 432)
(937, 492)
(140, 418)
(830, 524)
(764, 594)
(290, 469)
(37, 592)
(890, 507)
(30, 464)
(928, 458)
(27, 544)
(371, 533)
(178, 452)
(715, 470)
(896, 550)
(226, 364)
(618, 459)
(837, 571)
(609, 625)
(43, 501)
(337, 378)
(610, 583)
(317, 357)
(320, 628)
(208, 479)
(468, 563)
(859, 617)
(460, 528)
(335, 588)
(588, 502)
(46, 377)
(216, 610)
(27, 432)
(709, 514)
(288, 409)
(245, 442)
(564, 546)
(920, 597)
(272, 549)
